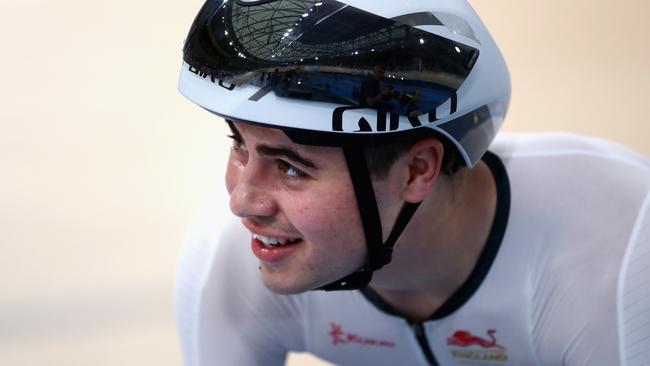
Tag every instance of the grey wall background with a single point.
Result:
(103, 163)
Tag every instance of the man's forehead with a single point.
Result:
(276, 136)
(263, 134)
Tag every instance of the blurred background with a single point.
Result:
(103, 163)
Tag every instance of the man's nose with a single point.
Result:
(251, 196)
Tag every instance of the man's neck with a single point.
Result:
(441, 245)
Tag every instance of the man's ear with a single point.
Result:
(424, 161)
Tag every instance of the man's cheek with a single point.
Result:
(330, 226)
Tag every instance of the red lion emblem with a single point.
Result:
(463, 338)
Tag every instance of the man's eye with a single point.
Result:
(289, 170)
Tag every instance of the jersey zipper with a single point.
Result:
(421, 336)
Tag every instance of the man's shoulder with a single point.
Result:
(561, 162)
(572, 195)
(562, 145)
(576, 205)
(567, 176)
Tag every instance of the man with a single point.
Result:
(371, 93)
(431, 249)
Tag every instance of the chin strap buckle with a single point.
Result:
(355, 281)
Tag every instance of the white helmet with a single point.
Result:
(303, 67)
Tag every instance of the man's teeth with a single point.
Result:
(268, 241)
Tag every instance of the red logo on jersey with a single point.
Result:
(463, 338)
(339, 337)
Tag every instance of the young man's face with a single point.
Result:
(299, 194)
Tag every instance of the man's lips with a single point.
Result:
(270, 241)
(268, 233)
(273, 253)
(271, 246)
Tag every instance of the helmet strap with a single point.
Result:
(379, 253)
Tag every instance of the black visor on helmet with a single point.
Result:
(327, 51)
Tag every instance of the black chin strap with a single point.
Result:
(379, 253)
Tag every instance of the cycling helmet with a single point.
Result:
(300, 66)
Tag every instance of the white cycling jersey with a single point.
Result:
(563, 279)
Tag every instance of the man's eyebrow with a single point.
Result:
(286, 152)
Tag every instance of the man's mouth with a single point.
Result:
(270, 242)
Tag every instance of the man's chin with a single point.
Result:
(283, 287)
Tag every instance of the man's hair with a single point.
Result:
(380, 158)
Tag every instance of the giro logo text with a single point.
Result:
(212, 78)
